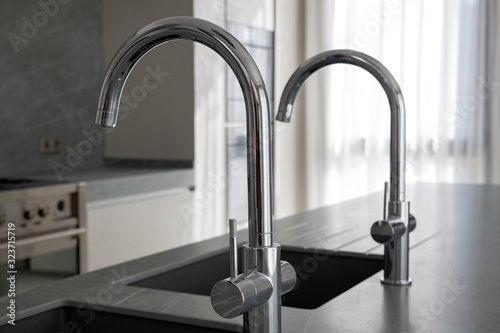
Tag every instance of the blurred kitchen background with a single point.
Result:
(174, 169)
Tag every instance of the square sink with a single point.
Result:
(66, 319)
(321, 275)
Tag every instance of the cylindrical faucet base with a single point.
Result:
(396, 253)
(265, 318)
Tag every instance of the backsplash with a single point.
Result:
(51, 67)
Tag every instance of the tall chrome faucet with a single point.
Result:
(393, 230)
(257, 292)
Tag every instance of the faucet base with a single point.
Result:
(265, 318)
(395, 282)
(396, 253)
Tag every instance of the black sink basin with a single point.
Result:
(69, 319)
(321, 275)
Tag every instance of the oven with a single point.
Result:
(42, 231)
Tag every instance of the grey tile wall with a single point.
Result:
(51, 67)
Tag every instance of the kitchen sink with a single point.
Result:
(321, 275)
(66, 319)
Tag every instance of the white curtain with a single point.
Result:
(493, 102)
(209, 209)
(209, 203)
(444, 55)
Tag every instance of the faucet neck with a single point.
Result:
(392, 90)
(258, 113)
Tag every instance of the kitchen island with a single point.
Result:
(453, 263)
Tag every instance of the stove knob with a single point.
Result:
(29, 214)
(44, 211)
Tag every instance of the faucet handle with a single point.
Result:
(386, 199)
(233, 248)
(388, 230)
(230, 298)
(385, 231)
(412, 222)
(240, 292)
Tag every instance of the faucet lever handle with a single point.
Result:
(385, 231)
(233, 248)
(386, 199)
(412, 222)
(240, 292)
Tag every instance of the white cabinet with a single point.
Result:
(131, 227)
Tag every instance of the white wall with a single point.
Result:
(289, 139)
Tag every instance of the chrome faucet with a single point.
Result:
(257, 292)
(393, 230)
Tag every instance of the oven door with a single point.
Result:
(43, 259)
(42, 233)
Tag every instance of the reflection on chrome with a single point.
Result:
(393, 230)
(262, 310)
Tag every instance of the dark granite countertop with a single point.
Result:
(453, 263)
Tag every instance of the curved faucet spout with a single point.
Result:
(258, 113)
(391, 88)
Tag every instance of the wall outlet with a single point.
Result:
(50, 145)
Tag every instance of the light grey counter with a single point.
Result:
(453, 263)
(111, 182)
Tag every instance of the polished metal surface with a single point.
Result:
(263, 255)
(233, 249)
(268, 260)
(252, 293)
(386, 199)
(397, 248)
(288, 277)
(238, 294)
(412, 223)
(384, 231)
(387, 230)
(231, 298)
(258, 113)
(391, 88)
(393, 229)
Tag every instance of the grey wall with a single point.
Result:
(157, 123)
(49, 80)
